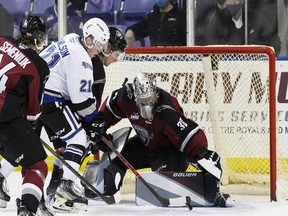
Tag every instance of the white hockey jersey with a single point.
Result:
(71, 74)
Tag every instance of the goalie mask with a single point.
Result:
(146, 94)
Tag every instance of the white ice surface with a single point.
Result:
(243, 206)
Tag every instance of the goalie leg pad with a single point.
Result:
(90, 171)
(105, 177)
(210, 184)
(201, 187)
(113, 179)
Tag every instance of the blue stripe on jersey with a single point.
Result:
(89, 117)
(74, 151)
(48, 99)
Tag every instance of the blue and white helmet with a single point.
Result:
(97, 30)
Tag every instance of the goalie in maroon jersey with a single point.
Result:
(23, 74)
(165, 139)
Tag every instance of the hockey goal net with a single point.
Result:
(230, 92)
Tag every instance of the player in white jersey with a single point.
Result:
(115, 51)
(68, 100)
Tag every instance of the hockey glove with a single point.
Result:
(102, 145)
(96, 128)
(94, 149)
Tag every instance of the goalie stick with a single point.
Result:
(108, 199)
(165, 202)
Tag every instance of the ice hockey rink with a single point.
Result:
(242, 205)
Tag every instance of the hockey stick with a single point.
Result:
(165, 202)
(108, 199)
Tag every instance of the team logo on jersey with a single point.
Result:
(134, 116)
(87, 65)
(143, 134)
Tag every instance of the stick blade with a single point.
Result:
(180, 202)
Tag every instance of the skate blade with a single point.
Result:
(3, 203)
(63, 205)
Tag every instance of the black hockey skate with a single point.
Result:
(222, 200)
(43, 210)
(4, 196)
(51, 189)
(90, 194)
(22, 210)
(69, 198)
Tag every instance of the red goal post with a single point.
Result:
(229, 91)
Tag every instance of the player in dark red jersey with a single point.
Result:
(165, 139)
(23, 74)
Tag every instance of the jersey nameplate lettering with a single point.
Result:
(63, 48)
(15, 54)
